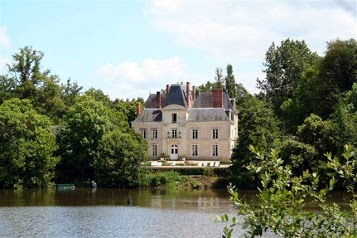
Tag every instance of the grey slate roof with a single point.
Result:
(176, 95)
(202, 109)
(150, 115)
(205, 100)
(207, 114)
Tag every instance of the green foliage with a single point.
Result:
(338, 72)
(231, 85)
(284, 65)
(283, 199)
(165, 178)
(128, 107)
(86, 123)
(121, 153)
(258, 125)
(26, 146)
(220, 81)
(299, 156)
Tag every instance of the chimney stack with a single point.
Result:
(167, 89)
(217, 96)
(194, 92)
(188, 94)
(138, 109)
(158, 98)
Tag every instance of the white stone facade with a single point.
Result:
(193, 130)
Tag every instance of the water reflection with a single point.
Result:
(158, 198)
(106, 213)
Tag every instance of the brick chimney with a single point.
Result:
(167, 89)
(188, 94)
(158, 99)
(138, 109)
(217, 97)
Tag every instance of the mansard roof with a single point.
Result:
(205, 100)
(207, 114)
(201, 110)
(176, 95)
(150, 115)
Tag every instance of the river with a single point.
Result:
(106, 213)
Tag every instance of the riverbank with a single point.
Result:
(174, 179)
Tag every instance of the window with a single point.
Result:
(194, 134)
(154, 133)
(174, 133)
(174, 149)
(143, 133)
(195, 150)
(215, 133)
(154, 150)
(214, 150)
(174, 118)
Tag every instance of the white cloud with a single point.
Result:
(138, 79)
(242, 31)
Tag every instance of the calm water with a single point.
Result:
(106, 213)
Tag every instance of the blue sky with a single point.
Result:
(131, 48)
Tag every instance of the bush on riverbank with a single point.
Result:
(175, 179)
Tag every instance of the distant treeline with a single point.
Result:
(54, 132)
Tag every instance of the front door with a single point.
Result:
(174, 152)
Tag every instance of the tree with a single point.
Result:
(299, 156)
(306, 100)
(128, 107)
(283, 198)
(26, 146)
(98, 95)
(122, 152)
(231, 85)
(257, 125)
(338, 72)
(284, 66)
(319, 133)
(219, 78)
(70, 91)
(86, 123)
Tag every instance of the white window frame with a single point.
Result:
(215, 150)
(154, 133)
(143, 133)
(195, 133)
(154, 150)
(215, 133)
(174, 133)
(194, 150)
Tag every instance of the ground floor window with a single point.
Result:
(154, 150)
(194, 150)
(174, 149)
(214, 150)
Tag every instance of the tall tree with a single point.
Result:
(86, 123)
(218, 77)
(122, 152)
(258, 125)
(284, 66)
(338, 72)
(26, 146)
(231, 85)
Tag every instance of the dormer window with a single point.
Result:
(174, 117)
